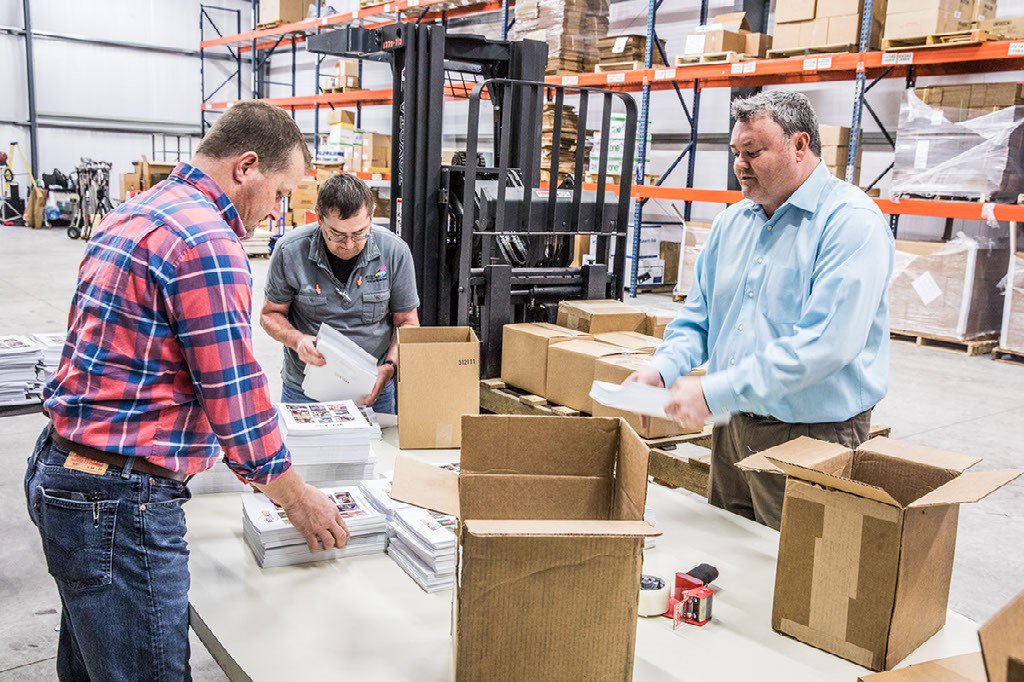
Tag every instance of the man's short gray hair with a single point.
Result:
(791, 110)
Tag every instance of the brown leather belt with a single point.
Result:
(140, 465)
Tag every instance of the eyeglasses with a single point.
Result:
(357, 238)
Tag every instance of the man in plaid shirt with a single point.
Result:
(157, 377)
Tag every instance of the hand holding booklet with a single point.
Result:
(350, 372)
(636, 398)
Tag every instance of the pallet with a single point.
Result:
(1010, 357)
(498, 398)
(819, 49)
(959, 38)
(269, 24)
(712, 58)
(618, 66)
(971, 348)
(343, 89)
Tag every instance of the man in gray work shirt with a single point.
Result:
(344, 272)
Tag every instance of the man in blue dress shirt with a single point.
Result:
(789, 307)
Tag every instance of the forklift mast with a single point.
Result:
(492, 243)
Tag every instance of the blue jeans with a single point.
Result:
(385, 403)
(114, 544)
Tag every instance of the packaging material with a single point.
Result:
(438, 383)
(633, 341)
(376, 152)
(814, 33)
(984, 10)
(1005, 28)
(1011, 337)
(597, 317)
(758, 45)
(786, 36)
(304, 195)
(571, 366)
(657, 320)
(923, 23)
(581, 249)
(524, 353)
(346, 74)
(282, 11)
(1001, 658)
(566, 141)
(650, 271)
(889, 508)
(626, 48)
(948, 289)
(711, 41)
(825, 22)
(345, 117)
(834, 136)
(551, 538)
(616, 369)
(571, 28)
(695, 236)
(956, 150)
(798, 10)
(34, 207)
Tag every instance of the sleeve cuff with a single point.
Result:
(275, 299)
(668, 369)
(263, 473)
(720, 397)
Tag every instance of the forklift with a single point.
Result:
(493, 244)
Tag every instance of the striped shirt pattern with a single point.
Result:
(159, 362)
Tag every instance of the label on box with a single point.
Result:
(570, 80)
(665, 74)
(921, 155)
(824, 62)
(810, 63)
(619, 77)
(620, 45)
(1015, 49)
(749, 67)
(926, 288)
(694, 44)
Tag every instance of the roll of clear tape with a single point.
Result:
(654, 595)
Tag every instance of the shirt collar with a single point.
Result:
(190, 175)
(807, 195)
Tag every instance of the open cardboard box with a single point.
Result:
(867, 541)
(599, 316)
(1001, 658)
(551, 537)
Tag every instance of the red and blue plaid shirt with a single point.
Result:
(159, 361)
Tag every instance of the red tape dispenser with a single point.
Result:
(692, 597)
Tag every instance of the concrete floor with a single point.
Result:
(936, 398)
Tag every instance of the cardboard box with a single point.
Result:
(839, 8)
(571, 367)
(889, 508)
(346, 74)
(656, 322)
(596, 317)
(922, 23)
(814, 33)
(1001, 658)
(524, 353)
(669, 253)
(965, 7)
(846, 30)
(615, 370)
(304, 195)
(633, 341)
(1007, 28)
(130, 182)
(757, 45)
(581, 249)
(376, 152)
(327, 170)
(283, 11)
(433, 363)
(713, 41)
(834, 136)
(551, 540)
(786, 36)
(983, 11)
(731, 21)
(341, 117)
(797, 10)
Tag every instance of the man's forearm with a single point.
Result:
(285, 489)
(280, 329)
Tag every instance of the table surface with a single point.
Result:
(364, 618)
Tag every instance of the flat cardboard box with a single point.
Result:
(1006, 28)
(551, 524)
(283, 11)
(757, 45)
(889, 508)
(524, 353)
(599, 316)
(571, 371)
(1002, 650)
(615, 370)
(923, 23)
(438, 383)
(797, 10)
(634, 341)
(834, 136)
(713, 41)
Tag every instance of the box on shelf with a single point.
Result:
(533, 496)
(724, 33)
(615, 370)
(433, 362)
(668, 252)
(650, 271)
(595, 317)
(1005, 28)
(890, 508)
(341, 117)
(571, 367)
(797, 10)
(626, 48)
(757, 45)
(1011, 336)
(346, 74)
(984, 10)
(304, 195)
(924, 23)
(695, 236)
(825, 22)
(571, 29)
(376, 152)
(834, 136)
(524, 353)
(283, 11)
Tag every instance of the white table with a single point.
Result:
(364, 619)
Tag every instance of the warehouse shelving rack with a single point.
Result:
(864, 68)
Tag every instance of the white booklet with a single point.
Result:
(350, 372)
(311, 419)
(636, 398)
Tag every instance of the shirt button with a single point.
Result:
(739, 328)
(732, 361)
(770, 228)
(760, 260)
(750, 294)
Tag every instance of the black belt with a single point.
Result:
(139, 464)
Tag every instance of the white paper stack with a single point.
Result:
(332, 433)
(258, 244)
(350, 372)
(378, 493)
(19, 356)
(275, 542)
(636, 398)
(423, 543)
(220, 479)
(52, 346)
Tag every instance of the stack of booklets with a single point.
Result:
(52, 346)
(275, 542)
(378, 493)
(423, 543)
(330, 454)
(350, 372)
(19, 356)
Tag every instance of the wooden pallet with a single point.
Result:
(1010, 357)
(343, 89)
(712, 58)
(971, 348)
(498, 398)
(269, 24)
(959, 38)
(819, 49)
(618, 66)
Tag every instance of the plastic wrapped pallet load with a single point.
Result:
(1011, 338)
(947, 290)
(966, 147)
